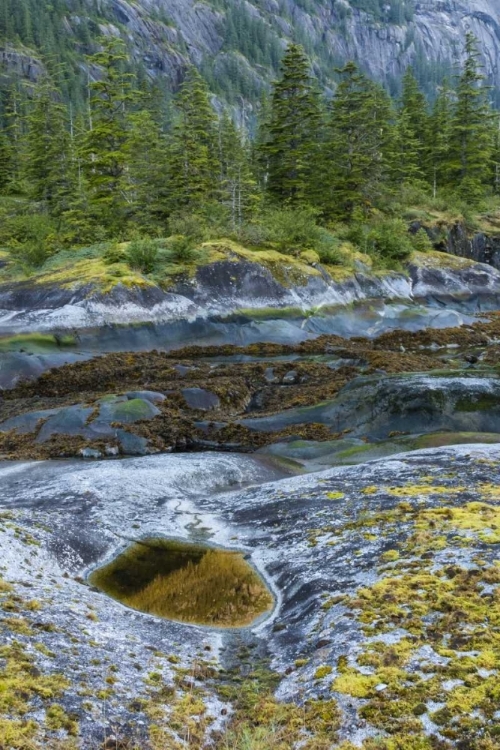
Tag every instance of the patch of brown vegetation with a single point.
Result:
(241, 387)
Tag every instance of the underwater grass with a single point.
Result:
(186, 582)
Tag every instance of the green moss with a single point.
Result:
(355, 684)
(322, 672)
(35, 342)
(485, 402)
(133, 410)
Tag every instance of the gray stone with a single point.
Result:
(71, 420)
(152, 396)
(199, 398)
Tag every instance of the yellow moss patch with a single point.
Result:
(477, 517)
(92, 271)
(356, 684)
(436, 259)
(322, 672)
(391, 555)
(416, 490)
(335, 495)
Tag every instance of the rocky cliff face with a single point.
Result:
(333, 31)
(237, 44)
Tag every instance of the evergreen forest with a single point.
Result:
(141, 179)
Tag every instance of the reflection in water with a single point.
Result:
(186, 582)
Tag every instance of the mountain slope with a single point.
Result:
(237, 43)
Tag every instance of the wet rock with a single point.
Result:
(132, 445)
(152, 396)
(270, 376)
(290, 378)
(182, 369)
(127, 412)
(90, 453)
(376, 407)
(69, 421)
(26, 423)
(199, 398)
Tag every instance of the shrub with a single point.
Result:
(142, 255)
(293, 230)
(182, 248)
(421, 241)
(31, 238)
(329, 250)
(288, 230)
(113, 253)
(206, 221)
(389, 241)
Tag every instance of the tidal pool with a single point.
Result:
(186, 582)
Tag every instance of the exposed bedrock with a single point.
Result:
(385, 576)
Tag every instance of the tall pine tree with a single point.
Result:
(104, 148)
(238, 190)
(293, 138)
(470, 146)
(192, 166)
(357, 146)
(48, 166)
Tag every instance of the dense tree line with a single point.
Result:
(122, 165)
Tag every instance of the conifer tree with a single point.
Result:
(495, 155)
(238, 190)
(438, 148)
(104, 148)
(5, 162)
(291, 148)
(406, 153)
(146, 155)
(470, 146)
(357, 144)
(15, 131)
(47, 167)
(192, 165)
(414, 104)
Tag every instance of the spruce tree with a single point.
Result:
(5, 162)
(291, 147)
(439, 134)
(356, 151)
(104, 148)
(238, 190)
(47, 167)
(414, 104)
(192, 162)
(470, 147)
(406, 153)
(147, 182)
(410, 133)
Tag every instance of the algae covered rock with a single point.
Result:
(128, 412)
